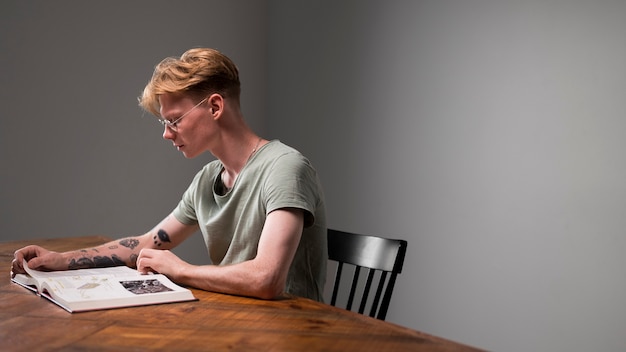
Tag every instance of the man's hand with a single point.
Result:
(160, 261)
(38, 258)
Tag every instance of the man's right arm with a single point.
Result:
(115, 253)
(166, 235)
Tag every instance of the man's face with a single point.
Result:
(186, 122)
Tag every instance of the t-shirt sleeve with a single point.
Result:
(293, 183)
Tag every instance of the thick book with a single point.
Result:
(102, 288)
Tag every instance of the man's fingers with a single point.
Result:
(142, 264)
(144, 260)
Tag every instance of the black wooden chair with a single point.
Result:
(377, 255)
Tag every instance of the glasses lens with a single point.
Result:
(173, 124)
(167, 124)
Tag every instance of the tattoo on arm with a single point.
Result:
(114, 260)
(161, 237)
(95, 262)
(129, 242)
(133, 260)
(81, 263)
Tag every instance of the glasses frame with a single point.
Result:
(172, 125)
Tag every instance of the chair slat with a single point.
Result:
(333, 300)
(382, 313)
(366, 290)
(379, 291)
(355, 281)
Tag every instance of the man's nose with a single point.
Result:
(168, 133)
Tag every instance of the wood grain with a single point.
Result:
(216, 322)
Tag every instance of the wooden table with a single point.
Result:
(215, 322)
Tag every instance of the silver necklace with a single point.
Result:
(255, 148)
(226, 189)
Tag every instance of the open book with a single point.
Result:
(102, 288)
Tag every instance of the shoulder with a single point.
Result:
(285, 168)
(276, 147)
(277, 154)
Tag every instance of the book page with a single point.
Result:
(103, 287)
(99, 283)
(80, 288)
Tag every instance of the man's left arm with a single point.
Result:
(263, 277)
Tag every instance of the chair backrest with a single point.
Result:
(376, 254)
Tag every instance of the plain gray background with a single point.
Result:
(489, 134)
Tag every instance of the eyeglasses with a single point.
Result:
(173, 125)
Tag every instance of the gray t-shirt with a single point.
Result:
(276, 176)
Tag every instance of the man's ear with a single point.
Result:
(216, 105)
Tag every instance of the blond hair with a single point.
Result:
(198, 71)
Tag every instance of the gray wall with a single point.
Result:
(489, 134)
(78, 155)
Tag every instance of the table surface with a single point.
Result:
(214, 322)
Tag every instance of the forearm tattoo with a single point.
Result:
(161, 237)
(95, 262)
(130, 243)
(85, 260)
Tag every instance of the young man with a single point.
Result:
(259, 206)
